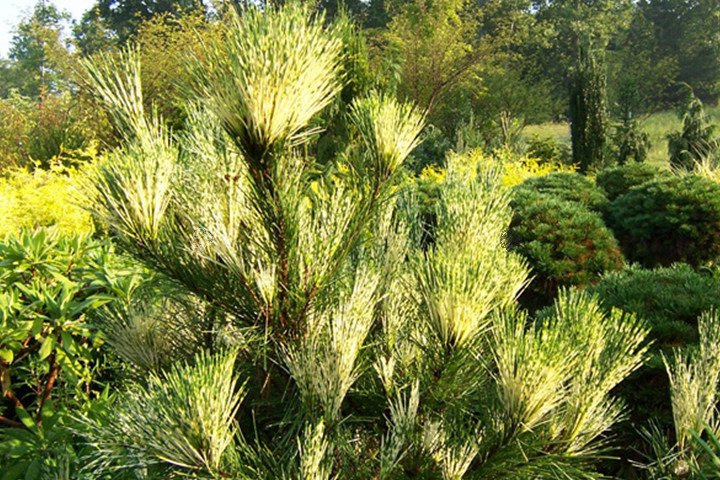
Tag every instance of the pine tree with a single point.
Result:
(334, 343)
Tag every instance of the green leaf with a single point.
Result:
(47, 347)
(25, 417)
(36, 326)
(69, 344)
(15, 471)
(33, 470)
(48, 415)
(7, 355)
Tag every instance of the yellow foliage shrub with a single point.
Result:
(42, 198)
(516, 168)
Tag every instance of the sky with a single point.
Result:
(12, 11)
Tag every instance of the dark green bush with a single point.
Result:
(564, 242)
(568, 186)
(629, 141)
(670, 298)
(696, 140)
(617, 181)
(674, 219)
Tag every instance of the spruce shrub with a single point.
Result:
(695, 141)
(629, 141)
(674, 219)
(617, 181)
(568, 186)
(564, 242)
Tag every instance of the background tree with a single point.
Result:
(588, 112)
(687, 33)
(39, 57)
(435, 46)
(116, 21)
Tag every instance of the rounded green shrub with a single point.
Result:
(565, 243)
(668, 220)
(571, 187)
(670, 299)
(617, 181)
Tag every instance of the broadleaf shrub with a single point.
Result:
(616, 181)
(549, 150)
(568, 186)
(55, 128)
(674, 219)
(50, 287)
(565, 243)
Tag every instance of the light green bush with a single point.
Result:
(43, 198)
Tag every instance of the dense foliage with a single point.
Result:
(335, 342)
(316, 227)
(697, 139)
(49, 350)
(671, 299)
(619, 180)
(567, 186)
(588, 110)
(492, 66)
(630, 142)
(43, 198)
(673, 219)
(565, 243)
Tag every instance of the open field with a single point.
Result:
(657, 125)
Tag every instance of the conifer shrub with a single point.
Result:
(565, 243)
(695, 141)
(588, 110)
(629, 141)
(693, 376)
(670, 299)
(568, 186)
(674, 219)
(616, 181)
(337, 345)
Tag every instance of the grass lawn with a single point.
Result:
(658, 126)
